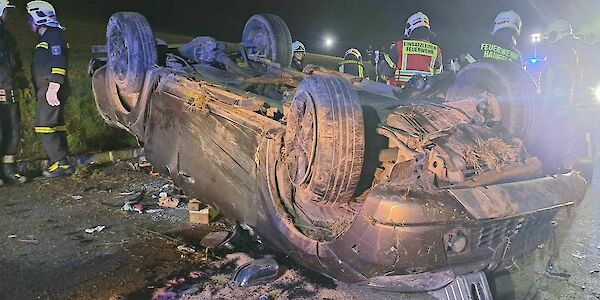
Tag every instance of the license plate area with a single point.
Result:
(472, 286)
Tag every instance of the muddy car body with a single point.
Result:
(335, 170)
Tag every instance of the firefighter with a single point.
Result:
(501, 45)
(561, 123)
(11, 79)
(298, 51)
(352, 63)
(562, 63)
(50, 80)
(413, 55)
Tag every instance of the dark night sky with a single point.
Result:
(458, 23)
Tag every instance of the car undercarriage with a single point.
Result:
(339, 172)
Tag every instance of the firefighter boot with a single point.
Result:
(59, 168)
(12, 174)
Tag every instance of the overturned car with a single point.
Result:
(335, 170)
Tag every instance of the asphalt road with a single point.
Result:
(45, 252)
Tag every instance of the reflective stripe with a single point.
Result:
(59, 71)
(414, 47)
(42, 45)
(492, 51)
(419, 48)
(470, 58)
(389, 61)
(9, 159)
(41, 129)
(53, 167)
(56, 165)
(361, 68)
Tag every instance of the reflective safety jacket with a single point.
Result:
(352, 67)
(49, 62)
(413, 57)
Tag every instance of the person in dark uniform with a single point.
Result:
(11, 79)
(501, 46)
(50, 80)
(352, 63)
(562, 138)
(298, 52)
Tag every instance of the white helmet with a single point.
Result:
(415, 21)
(297, 46)
(355, 52)
(5, 4)
(589, 32)
(508, 19)
(557, 30)
(43, 13)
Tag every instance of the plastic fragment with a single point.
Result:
(95, 229)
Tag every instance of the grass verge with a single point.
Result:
(87, 132)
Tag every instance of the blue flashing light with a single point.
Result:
(533, 60)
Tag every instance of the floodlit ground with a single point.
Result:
(45, 252)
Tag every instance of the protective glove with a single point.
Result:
(52, 94)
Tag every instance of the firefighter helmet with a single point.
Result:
(589, 33)
(297, 46)
(557, 30)
(508, 19)
(4, 4)
(415, 21)
(43, 14)
(355, 52)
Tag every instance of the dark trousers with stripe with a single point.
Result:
(50, 125)
(10, 130)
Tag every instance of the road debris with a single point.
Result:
(578, 255)
(196, 274)
(167, 201)
(134, 204)
(216, 239)
(186, 249)
(92, 230)
(195, 205)
(257, 271)
(201, 213)
(29, 241)
(138, 207)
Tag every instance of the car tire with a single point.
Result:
(325, 140)
(131, 50)
(268, 35)
(515, 89)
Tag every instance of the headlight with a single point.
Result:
(596, 91)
